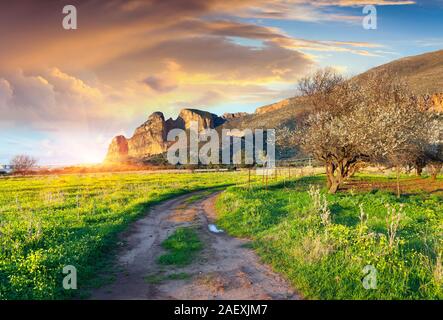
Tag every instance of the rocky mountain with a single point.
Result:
(150, 138)
(273, 107)
(424, 74)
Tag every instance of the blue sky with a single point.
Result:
(403, 30)
(65, 94)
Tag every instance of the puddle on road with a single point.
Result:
(213, 228)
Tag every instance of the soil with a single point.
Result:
(407, 186)
(225, 269)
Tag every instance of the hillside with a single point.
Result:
(280, 114)
(423, 73)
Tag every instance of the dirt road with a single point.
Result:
(224, 269)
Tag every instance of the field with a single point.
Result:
(321, 243)
(363, 243)
(49, 222)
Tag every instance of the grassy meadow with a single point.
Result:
(48, 222)
(322, 243)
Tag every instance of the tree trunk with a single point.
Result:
(337, 171)
(333, 182)
(334, 176)
(419, 171)
(334, 187)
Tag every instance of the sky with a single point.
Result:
(65, 93)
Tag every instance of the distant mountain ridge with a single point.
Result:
(423, 73)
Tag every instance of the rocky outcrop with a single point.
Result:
(235, 115)
(205, 119)
(437, 102)
(118, 150)
(151, 137)
(272, 107)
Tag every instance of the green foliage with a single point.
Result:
(49, 222)
(182, 247)
(326, 261)
(159, 278)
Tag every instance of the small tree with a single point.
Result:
(321, 88)
(286, 142)
(435, 159)
(330, 133)
(22, 164)
(376, 120)
(398, 127)
(434, 169)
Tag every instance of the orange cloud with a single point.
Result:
(136, 55)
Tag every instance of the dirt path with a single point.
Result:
(225, 269)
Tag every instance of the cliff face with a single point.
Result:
(272, 107)
(205, 119)
(235, 115)
(118, 150)
(151, 137)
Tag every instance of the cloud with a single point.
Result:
(223, 59)
(45, 97)
(347, 3)
(207, 99)
(160, 84)
(131, 57)
(110, 30)
(5, 93)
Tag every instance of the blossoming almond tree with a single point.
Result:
(375, 120)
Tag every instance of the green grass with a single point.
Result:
(159, 278)
(182, 246)
(197, 197)
(325, 261)
(49, 222)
